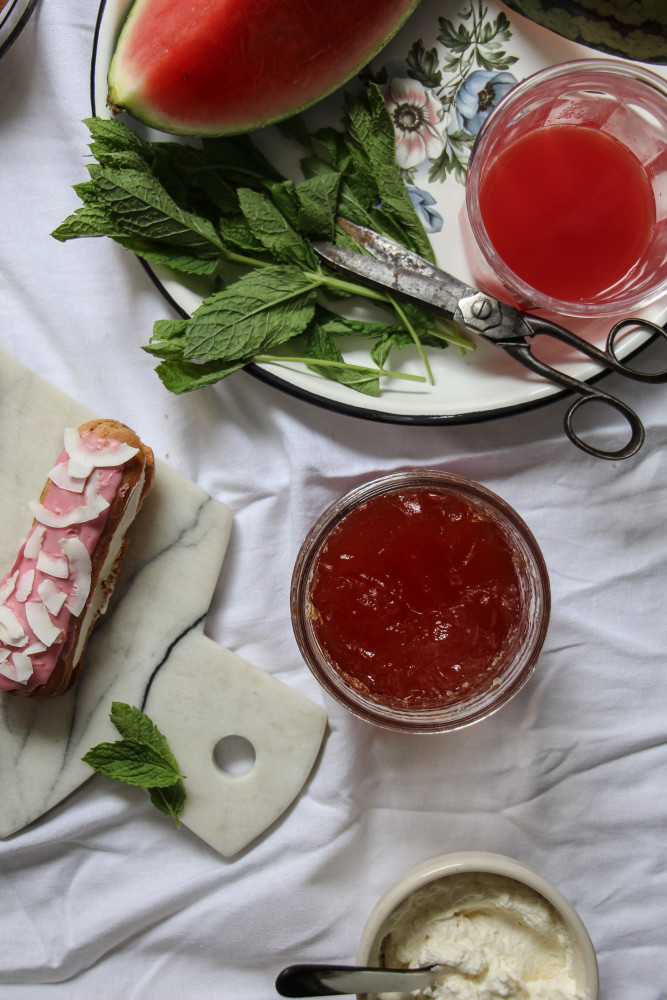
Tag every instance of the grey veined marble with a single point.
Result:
(149, 651)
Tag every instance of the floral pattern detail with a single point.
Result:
(424, 203)
(446, 93)
(478, 95)
(419, 120)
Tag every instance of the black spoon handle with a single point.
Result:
(339, 980)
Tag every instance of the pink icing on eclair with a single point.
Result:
(63, 574)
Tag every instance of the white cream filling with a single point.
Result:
(100, 597)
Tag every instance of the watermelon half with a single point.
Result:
(217, 67)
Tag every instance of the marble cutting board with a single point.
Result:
(149, 650)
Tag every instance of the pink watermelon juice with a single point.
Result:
(569, 209)
(565, 210)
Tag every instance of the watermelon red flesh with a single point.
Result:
(212, 67)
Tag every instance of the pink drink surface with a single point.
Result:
(569, 209)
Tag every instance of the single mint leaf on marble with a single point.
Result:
(132, 723)
(142, 758)
(134, 762)
(170, 800)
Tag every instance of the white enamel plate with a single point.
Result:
(482, 383)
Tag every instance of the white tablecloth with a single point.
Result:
(104, 897)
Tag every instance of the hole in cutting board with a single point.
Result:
(234, 755)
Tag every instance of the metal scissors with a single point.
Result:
(390, 267)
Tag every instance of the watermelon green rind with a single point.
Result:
(632, 29)
(220, 67)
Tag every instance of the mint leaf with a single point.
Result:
(169, 801)
(222, 211)
(111, 136)
(185, 376)
(139, 203)
(237, 233)
(259, 311)
(320, 346)
(240, 160)
(133, 724)
(142, 758)
(268, 224)
(318, 202)
(190, 179)
(134, 762)
(393, 338)
(283, 196)
(372, 147)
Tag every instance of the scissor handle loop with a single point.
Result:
(608, 358)
(637, 432)
(520, 350)
(621, 366)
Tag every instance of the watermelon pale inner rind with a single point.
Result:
(218, 67)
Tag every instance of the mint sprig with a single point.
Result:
(142, 758)
(221, 214)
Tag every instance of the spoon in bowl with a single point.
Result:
(338, 980)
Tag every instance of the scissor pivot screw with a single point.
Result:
(481, 309)
(478, 311)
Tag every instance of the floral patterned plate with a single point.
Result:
(443, 73)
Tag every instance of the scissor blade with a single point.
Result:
(386, 249)
(436, 291)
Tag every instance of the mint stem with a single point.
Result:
(320, 362)
(413, 333)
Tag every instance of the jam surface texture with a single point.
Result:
(416, 597)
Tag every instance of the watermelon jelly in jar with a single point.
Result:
(566, 194)
(420, 601)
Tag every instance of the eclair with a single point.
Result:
(65, 571)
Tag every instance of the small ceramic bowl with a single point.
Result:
(584, 968)
(489, 663)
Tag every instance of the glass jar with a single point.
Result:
(621, 111)
(515, 658)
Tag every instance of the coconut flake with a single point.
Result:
(63, 519)
(25, 585)
(8, 585)
(52, 596)
(59, 475)
(33, 545)
(36, 647)
(11, 630)
(7, 669)
(40, 622)
(53, 565)
(83, 458)
(80, 569)
(23, 667)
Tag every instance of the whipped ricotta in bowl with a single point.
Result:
(498, 930)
